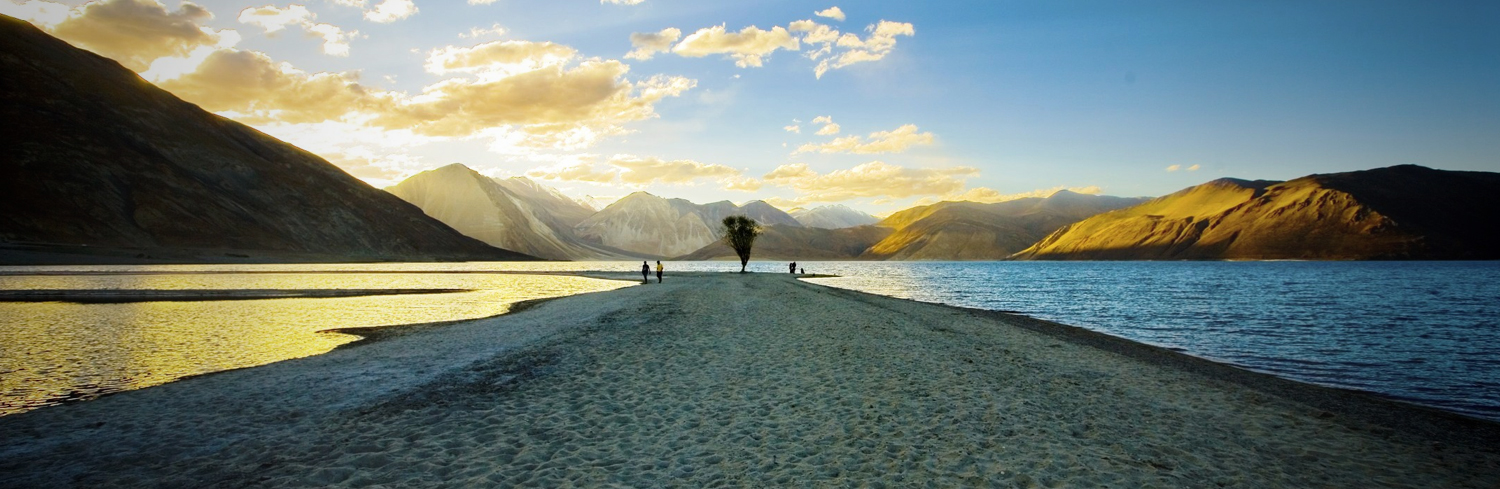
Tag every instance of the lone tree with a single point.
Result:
(740, 233)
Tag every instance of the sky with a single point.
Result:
(878, 105)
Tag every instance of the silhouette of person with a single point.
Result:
(792, 268)
(645, 272)
(658, 271)
(804, 272)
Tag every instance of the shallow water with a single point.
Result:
(54, 352)
(1425, 332)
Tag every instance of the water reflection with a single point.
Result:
(55, 352)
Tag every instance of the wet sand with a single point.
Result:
(728, 380)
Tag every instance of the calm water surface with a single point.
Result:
(1425, 332)
(54, 352)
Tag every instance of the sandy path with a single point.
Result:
(724, 380)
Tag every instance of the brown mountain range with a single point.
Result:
(98, 161)
(1400, 212)
(942, 231)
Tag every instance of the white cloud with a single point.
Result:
(647, 44)
(621, 2)
(390, 11)
(832, 13)
(894, 141)
(874, 47)
(1174, 167)
(273, 19)
(481, 2)
(876, 179)
(793, 128)
(499, 58)
(477, 32)
(1193, 168)
(828, 129)
(748, 47)
(830, 48)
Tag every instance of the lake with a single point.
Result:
(1424, 332)
(56, 352)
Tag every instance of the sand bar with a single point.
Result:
(728, 380)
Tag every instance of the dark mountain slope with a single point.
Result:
(96, 156)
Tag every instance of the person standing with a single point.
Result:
(645, 272)
(658, 271)
(792, 268)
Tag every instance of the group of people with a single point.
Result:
(646, 272)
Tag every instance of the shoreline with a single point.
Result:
(755, 371)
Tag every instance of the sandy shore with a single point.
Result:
(727, 380)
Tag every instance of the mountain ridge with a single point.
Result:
(1338, 216)
(100, 159)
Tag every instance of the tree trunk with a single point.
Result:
(742, 264)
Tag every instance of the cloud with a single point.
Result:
(639, 171)
(1174, 167)
(647, 44)
(41, 13)
(621, 2)
(894, 141)
(481, 2)
(390, 11)
(828, 129)
(988, 195)
(523, 95)
(132, 32)
(832, 13)
(273, 19)
(874, 47)
(793, 128)
(822, 119)
(748, 47)
(875, 179)
(499, 58)
(1193, 168)
(477, 32)
(259, 90)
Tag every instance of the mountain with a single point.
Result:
(1400, 212)
(653, 226)
(977, 231)
(97, 161)
(515, 213)
(832, 217)
(790, 243)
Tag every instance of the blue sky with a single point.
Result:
(1007, 98)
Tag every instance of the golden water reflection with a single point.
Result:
(56, 352)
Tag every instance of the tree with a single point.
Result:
(740, 233)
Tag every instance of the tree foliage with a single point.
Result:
(740, 233)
